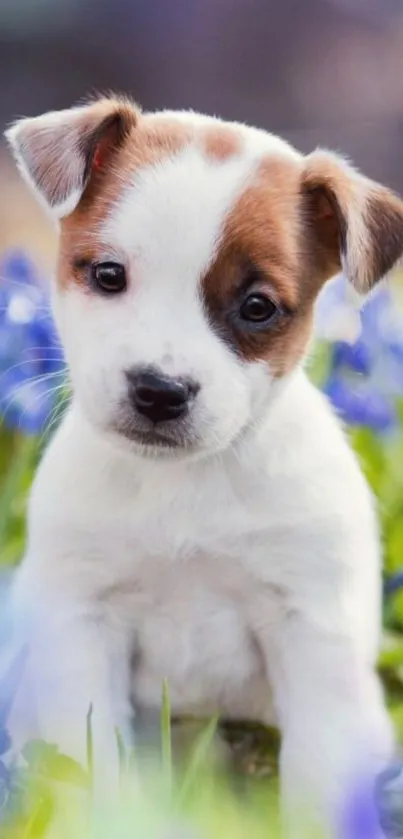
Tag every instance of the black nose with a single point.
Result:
(158, 397)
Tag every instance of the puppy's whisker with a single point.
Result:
(57, 414)
(40, 396)
(32, 379)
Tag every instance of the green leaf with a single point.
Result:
(391, 656)
(64, 768)
(37, 753)
(44, 759)
(21, 463)
(396, 608)
(38, 823)
(371, 454)
(394, 545)
(319, 362)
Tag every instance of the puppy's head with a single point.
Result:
(191, 254)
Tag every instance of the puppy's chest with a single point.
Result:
(185, 593)
(189, 622)
(204, 522)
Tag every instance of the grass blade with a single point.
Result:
(166, 736)
(121, 752)
(90, 748)
(198, 757)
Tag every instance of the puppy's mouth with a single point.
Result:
(159, 440)
(156, 439)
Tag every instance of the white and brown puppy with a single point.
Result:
(199, 515)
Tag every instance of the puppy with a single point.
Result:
(199, 515)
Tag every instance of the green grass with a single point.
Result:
(191, 794)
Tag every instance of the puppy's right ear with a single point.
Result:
(358, 223)
(58, 153)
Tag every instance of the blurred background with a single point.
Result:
(318, 72)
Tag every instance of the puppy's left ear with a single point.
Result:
(356, 224)
(61, 152)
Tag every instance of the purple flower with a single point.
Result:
(31, 359)
(389, 797)
(357, 356)
(360, 819)
(360, 404)
(365, 377)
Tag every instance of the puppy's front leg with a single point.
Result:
(335, 729)
(74, 662)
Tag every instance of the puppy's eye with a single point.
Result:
(109, 277)
(257, 308)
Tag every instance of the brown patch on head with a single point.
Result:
(152, 139)
(220, 142)
(263, 250)
(290, 231)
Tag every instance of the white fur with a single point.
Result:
(248, 576)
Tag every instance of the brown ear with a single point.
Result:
(58, 151)
(357, 224)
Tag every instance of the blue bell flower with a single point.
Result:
(31, 359)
